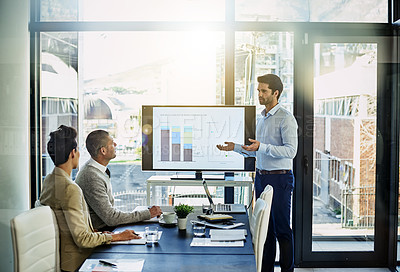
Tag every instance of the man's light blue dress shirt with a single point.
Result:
(277, 134)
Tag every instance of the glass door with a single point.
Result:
(344, 213)
(344, 149)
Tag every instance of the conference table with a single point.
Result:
(174, 253)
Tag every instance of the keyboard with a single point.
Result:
(229, 208)
(223, 207)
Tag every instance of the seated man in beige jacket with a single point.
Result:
(77, 236)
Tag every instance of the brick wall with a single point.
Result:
(342, 138)
(319, 133)
(342, 147)
(367, 166)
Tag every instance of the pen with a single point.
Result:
(107, 263)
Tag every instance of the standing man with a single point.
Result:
(94, 180)
(275, 147)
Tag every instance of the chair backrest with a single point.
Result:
(267, 194)
(35, 241)
(255, 218)
(259, 223)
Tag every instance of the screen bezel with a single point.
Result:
(147, 138)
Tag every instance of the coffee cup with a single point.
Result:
(169, 217)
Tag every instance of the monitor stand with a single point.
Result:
(199, 176)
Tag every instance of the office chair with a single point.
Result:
(259, 224)
(35, 241)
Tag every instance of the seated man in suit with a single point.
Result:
(77, 235)
(94, 180)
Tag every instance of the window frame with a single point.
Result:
(301, 32)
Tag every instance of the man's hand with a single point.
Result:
(253, 147)
(124, 236)
(155, 211)
(229, 146)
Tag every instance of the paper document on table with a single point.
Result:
(239, 231)
(152, 220)
(123, 265)
(218, 226)
(228, 235)
(143, 208)
(141, 241)
(206, 242)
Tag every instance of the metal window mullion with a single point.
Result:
(229, 52)
(125, 26)
(35, 117)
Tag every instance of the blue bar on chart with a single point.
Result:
(176, 143)
(187, 143)
(165, 143)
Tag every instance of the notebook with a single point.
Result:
(215, 217)
(223, 208)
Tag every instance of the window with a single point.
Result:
(345, 125)
(100, 62)
(259, 53)
(58, 10)
(371, 11)
(118, 72)
(132, 10)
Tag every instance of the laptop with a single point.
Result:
(223, 208)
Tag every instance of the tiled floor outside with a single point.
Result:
(277, 269)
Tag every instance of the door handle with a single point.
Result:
(305, 164)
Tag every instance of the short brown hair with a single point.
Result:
(273, 81)
(96, 140)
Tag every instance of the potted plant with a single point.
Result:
(182, 211)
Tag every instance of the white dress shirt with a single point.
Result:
(277, 134)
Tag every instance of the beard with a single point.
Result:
(264, 101)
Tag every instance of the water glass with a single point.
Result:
(151, 234)
(199, 230)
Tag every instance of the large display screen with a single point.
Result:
(184, 138)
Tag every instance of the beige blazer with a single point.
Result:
(77, 236)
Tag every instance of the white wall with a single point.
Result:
(14, 118)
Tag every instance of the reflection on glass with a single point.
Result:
(368, 11)
(152, 10)
(121, 71)
(398, 226)
(59, 86)
(58, 10)
(345, 95)
(259, 53)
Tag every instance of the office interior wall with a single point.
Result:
(14, 118)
